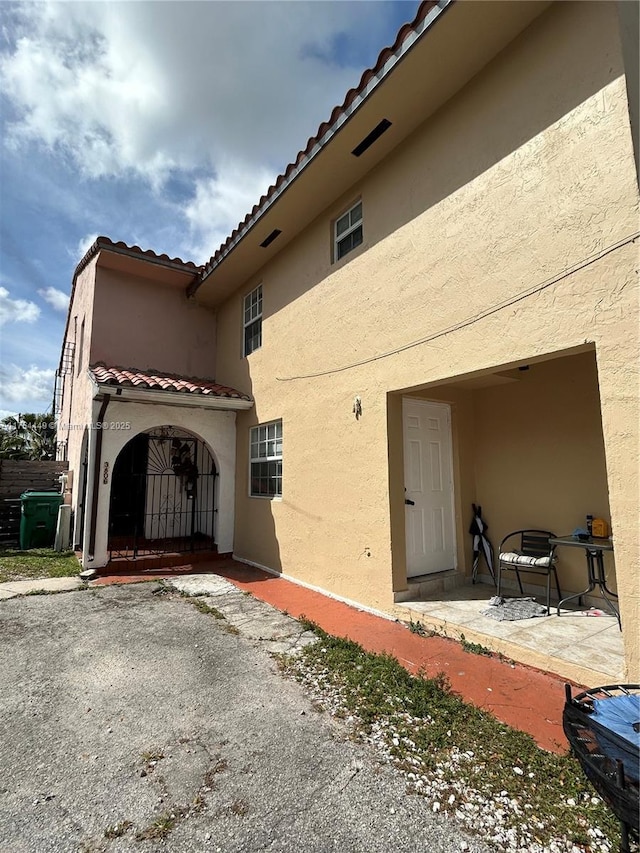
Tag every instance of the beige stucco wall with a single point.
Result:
(629, 18)
(143, 323)
(525, 180)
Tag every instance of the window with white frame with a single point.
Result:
(265, 460)
(348, 231)
(252, 320)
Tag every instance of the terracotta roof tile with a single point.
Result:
(154, 381)
(147, 254)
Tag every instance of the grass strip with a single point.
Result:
(496, 780)
(36, 563)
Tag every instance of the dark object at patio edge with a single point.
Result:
(608, 752)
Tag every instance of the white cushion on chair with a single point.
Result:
(523, 560)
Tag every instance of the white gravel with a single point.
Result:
(447, 791)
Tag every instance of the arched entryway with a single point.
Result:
(163, 495)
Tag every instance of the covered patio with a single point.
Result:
(526, 443)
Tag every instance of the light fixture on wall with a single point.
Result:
(357, 407)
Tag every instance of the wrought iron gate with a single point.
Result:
(162, 496)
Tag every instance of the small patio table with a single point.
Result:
(594, 550)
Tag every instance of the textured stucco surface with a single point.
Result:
(525, 180)
(157, 326)
(539, 456)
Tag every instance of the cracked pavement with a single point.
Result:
(131, 720)
(254, 619)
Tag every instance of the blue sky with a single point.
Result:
(156, 123)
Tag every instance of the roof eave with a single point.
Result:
(418, 30)
(120, 393)
(428, 66)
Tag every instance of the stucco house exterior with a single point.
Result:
(438, 300)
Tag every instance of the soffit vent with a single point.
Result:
(269, 240)
(375, 134)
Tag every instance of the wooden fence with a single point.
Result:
(9, 522)
(15, 478)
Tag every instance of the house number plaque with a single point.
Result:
(105, 473)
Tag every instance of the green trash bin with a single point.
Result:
(38, 519)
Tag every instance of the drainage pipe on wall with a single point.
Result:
(93, 485)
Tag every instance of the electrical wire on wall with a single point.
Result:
(512, 300)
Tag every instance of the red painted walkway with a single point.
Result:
(524, 698)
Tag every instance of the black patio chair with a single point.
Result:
(532, 555)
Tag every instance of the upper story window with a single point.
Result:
(348, 231)
(253, 320)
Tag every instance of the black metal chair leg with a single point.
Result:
(555, 575)
(549, 593)
(519, 582)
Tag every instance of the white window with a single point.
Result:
(348, 231)
(265, 461)
(253, 320)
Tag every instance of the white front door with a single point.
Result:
(428, 480)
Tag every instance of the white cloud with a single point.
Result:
(84, 245)
(129, 96)
(58, 300)
(31, 387)
(221, 202)
(16, 310)
(226, 91)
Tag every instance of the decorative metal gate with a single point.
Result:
(162, 495)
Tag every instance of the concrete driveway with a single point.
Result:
(131, 720)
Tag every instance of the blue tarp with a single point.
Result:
(613, 724)
(618, 714)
